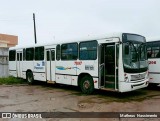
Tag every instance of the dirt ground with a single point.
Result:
(62, 98)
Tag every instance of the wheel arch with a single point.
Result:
(29, 70)
(83, 75)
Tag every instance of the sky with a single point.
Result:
(62, 20)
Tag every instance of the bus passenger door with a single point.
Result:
(50, 65)
(109, 66)
(19, 64)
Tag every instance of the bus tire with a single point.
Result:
(30, 78)
(87, 85)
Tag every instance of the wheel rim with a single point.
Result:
(86, 84)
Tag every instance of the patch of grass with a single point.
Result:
(11, 80)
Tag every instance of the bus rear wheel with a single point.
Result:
(87, 85)
(30, 78)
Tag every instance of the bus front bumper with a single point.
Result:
(126, 87)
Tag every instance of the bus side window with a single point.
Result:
(53, 55)
(58, 52)
(155, 49)
(88, 50)
(149, 54)
(24, 54)
(149, 50)
(12, 55)
(39, 53)
(158, 55)
(69, 51)
(29, 54)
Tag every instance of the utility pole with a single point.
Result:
(35, 37)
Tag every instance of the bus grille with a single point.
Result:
(137, 77)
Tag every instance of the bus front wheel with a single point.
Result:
(30, 78)
(87, 85)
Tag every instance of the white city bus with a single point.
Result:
(116, 62)
(153, 53)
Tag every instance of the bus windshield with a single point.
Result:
(134, 53)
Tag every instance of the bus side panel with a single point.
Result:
(96, 85)
(154, 78)
(23, 74)
(154, 70)
(63, 79)
(74, 80)
(27, 65)
(120, 70)
(89, 67)
(39, 70)
(64, 71)
(120, 66)
(39, 76)
(12, 68)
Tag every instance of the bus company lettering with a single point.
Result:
(89, 67)
(152, 62)
(39, 66)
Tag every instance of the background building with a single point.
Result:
(6, 41)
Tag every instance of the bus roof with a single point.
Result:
(153, 39)
(88, 38)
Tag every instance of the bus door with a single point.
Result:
(19, 63)
(50, 65)
(109, 66)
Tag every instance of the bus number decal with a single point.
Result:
(152, 62)
(78, 63)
